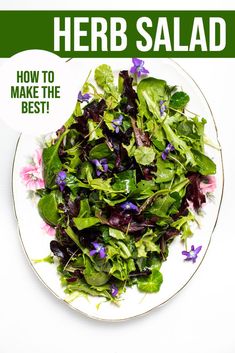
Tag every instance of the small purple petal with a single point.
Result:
(138, 67)
(144, 71)
(96, 245)
(101, 165)
(96, 162)
(164, 156)
(169, 148)
(133, 70)
(192, 254)
(102, 253)
(116, 123)
(62, 175)
(137, 62)
(129, 206)
(196, 251)
(83, 97)
(99, 249)
(114, 290)
(93, 252)
(61, 180)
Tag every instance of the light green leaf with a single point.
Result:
(144, 155)
(82, 223)
(151, 283)
(117, 234)
(103, 75)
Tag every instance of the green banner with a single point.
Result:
(119, 33)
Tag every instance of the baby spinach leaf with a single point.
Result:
(82, 223)
(162, 205)
(144, 155)
(150, 91)
(179, 100)
(93, 277)
(205, 165)
(151, 283)
(165, 171)
(100, 151)
(48, 208)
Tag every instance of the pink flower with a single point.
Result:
(32, 174)
(208, 184)
(48, 229)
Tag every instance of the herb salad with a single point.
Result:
(123, 177)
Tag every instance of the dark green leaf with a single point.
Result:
(51, 162)
(205, 165)
(100, 151)
(125, 181)
(47, 207)
(94, 277)
(179, 100)
(82, 223)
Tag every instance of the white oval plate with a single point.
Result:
(176, 272)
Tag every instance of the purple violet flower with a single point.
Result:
(192, 254)
(101, 166)
(113, 290)
(116, 123)
(138, 67)
(99, 249)
(61, 180)
(83, 97)
(162, 107)
(169, 148)
(129, 206)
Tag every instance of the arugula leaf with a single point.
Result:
(95, 132)
(51, 162)
(146, 244)
(151, 283)
(84, 208)
(179, 144)
(144, 155)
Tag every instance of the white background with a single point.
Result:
(199, 319)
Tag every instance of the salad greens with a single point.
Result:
(122, 180)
